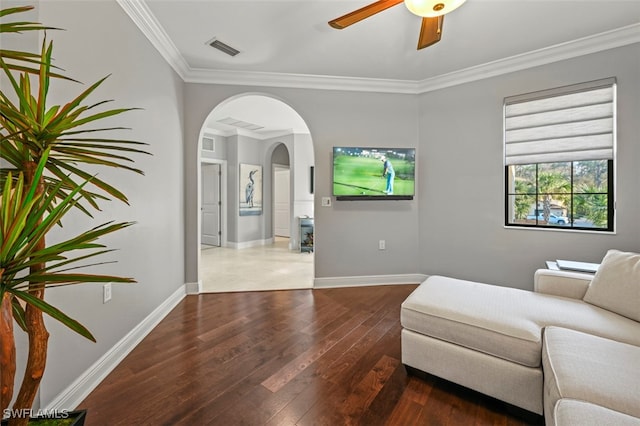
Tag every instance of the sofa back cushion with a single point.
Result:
(616, 285)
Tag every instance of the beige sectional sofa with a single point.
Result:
(567, 349)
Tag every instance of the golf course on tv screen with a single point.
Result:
(372, 173)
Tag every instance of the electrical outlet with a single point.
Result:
(106, 292)
(382, 245)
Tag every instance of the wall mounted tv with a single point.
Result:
(374, 173)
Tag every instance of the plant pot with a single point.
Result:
(65, 418)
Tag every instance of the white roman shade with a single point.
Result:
(569, 123)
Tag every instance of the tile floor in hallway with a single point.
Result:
(269, 267)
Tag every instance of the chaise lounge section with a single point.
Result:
(490, 338)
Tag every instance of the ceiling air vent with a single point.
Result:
(217, 44)
(230, 121)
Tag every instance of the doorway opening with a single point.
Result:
(211, 205)
(281, 201)
(271, 137)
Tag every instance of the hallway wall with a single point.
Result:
(346, 230)
(100, 39)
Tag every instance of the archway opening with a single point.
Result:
(263, 151)
(281, 187)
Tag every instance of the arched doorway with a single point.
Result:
(281, 187)
(263, 136)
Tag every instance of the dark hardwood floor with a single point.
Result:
(302, 357)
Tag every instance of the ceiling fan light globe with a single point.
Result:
(432, 8)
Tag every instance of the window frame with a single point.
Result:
(570, 226)
(611, 163)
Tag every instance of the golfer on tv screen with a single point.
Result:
(388, 173)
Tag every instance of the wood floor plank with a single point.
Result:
(300, 357)
(387, 398)
(367, 390)
(406, 413)
(301, 393)
(304, 360)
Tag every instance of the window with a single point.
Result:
(559, 157)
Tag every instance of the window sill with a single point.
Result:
(559, 229)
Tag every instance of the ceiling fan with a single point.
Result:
(431, 11)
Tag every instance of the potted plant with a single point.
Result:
(45, 148)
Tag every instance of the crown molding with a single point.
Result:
(210, 131)
(146, 21)
(300, 81)
(583, 46)
(142, 16)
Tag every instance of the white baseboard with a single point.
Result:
(193, 288)
(334, 282)
(75, 393)
(248, 244)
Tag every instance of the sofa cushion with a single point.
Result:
(569, 412)
(616, 285)
(591, 369)
(501, 321)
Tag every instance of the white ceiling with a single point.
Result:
(293, 36)
(274, 117)
(290, 40)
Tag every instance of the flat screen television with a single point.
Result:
(374, 173)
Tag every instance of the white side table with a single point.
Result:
(573, 266)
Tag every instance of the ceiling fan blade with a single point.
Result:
(430, 32)
(360, 14)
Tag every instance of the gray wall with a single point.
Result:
(303, 160)
(220, 152)
(455, 225)
(100, 39)
(461, 193)
(347, 230)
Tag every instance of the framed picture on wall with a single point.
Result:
(250, 190)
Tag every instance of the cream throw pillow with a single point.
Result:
(616, 285)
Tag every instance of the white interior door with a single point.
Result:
(211, 204)
(281, 202)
